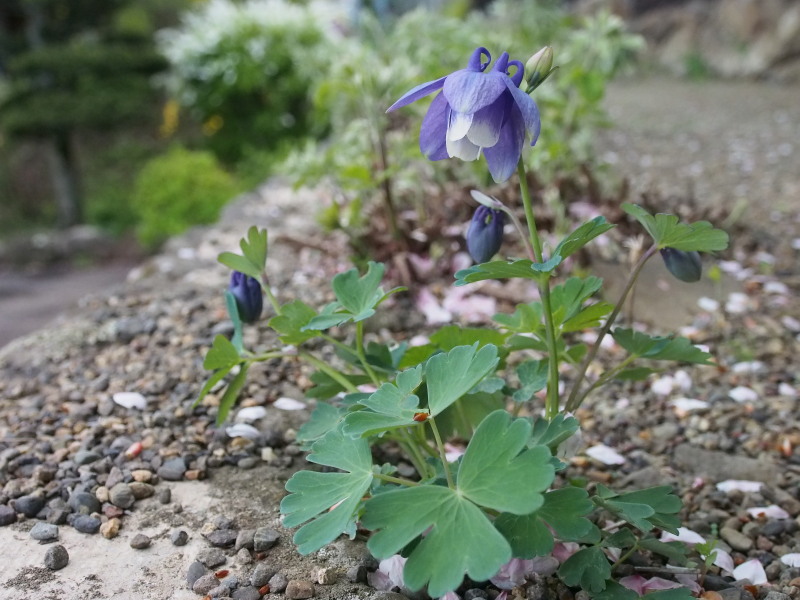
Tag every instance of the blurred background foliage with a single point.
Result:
(148, 115)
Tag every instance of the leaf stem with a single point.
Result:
(414, 454)
(625, 556)
(442, 453)
(605, 377)
(552, 401)
(330, 372)
(268, 293)
(397, 480)
(574, 401)
(362, 355)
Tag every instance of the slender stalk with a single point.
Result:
(268, 293)
(343, 347)
(266, 356)
(574, 401)
(414, 454)
(362, 356)
(625, 556)
(442, 453)
(552, 401)
(397, 480)
(330, 372)
(605, 378)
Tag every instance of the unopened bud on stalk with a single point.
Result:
(485, 233)
(248, 295)
(685, 266)
(538, 68)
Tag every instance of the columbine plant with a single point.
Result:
(498, 500)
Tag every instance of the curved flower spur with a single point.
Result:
(478, 110)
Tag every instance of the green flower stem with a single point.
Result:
(330, 372)
(606, 377)
(518, 226)
(575, 399)
(552, 401)
(343, 347)
(625, 556)
(362, 355)
(442, 453)
(397, 480)
(268, 293)
(266, 356)
(414, 454)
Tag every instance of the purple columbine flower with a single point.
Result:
(248, 295)
(478, 110)
(485, 233)
(685, 266)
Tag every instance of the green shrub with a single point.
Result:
(177, 190)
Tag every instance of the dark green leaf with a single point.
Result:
(499, 269)
(222, 354)
(231, 393)
(635, 374)
(660, 347)
(615, 591)
(566, 299)
(233, 313)
(667, 232)
(621, 539)
(582, 236)
(327, 387)
(587, 568)
(532, 377)
(527, 318)
(239, 263)
(675, 551)
(324, 418)
(552, 432)
(450, 336)
(589, 317)
(290, 323)
(644, 509)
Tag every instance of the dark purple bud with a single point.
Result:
(685, 266)
(485, 233)
(247, 292)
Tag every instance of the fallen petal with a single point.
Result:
(289, 404)
(243, 430)
(752, 570)
(743, 394)
(606, 455)
(685, 535)
(251, 413)
(772, 511)
(130, 400)
(792, 559)
(741, 485)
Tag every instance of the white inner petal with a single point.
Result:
(485, 128)
(463, 149)
(458, 126)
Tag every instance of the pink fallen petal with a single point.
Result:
(423, 266)
(389, 574)
(511, 574)
(606, 455)
(543, 565)
(752, 570)
(635, 583)
(659, 583)
(429, 306)
(723, 560)
(684, 406)
(772, 511)
(563, 550)
(784, 389)
(683, 380)
(685, 535)
(450, 596)
(792, 559)
(473, 308)
(689, 581)
(663, 385)
(740, 485)
(452, 452)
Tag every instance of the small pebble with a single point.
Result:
(142, 475)
(7, 515)
(205, 584)
(297, 589)
(121, 495)
(357, 574)
(140, 541)
(56, 557)
(736, 539)
(31, 505)
(246, 593)
(262, 574)
(141, 490)
(84, 503)
(211, 557)
(86, 524)
(196, 571)
(248, 462)
(326, 576)
(44, 532)
(244, 539)
(222, 538)
(110, 529)
(277, 583)
(165, 495)
(264, 539)
(173, 469)
(476, 594)
(243, 557)
(179, 537)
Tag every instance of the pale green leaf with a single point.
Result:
(222, 354)
(532, 378)
(239, 263)
(582, 236)
(290, 323)
(587, 568)
(391, 406)
(451, 375)
(231, 393)
(499, 269)
(660, 347)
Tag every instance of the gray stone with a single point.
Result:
(7, 515)
(476, 594)
(736, 539)
(277, 583)
(262, 574)
(44, 532)
(222, 538)
(224, 522)
(246, 593)
(357, 574)
(735, 594)
(86, 457)
(211, 557)
(29, 505)
(172, 470)
(140, 541)
(56, 557)
(179, 537)
(248, 462)
(776, 596)
(141, 490)
(389, 596)
(121, 495)
(264, 539)
(84, 503)
(327, 576)
(86, 524)
(774, 528)
(298, 589)
(719, 466)
(243, 557)
(165, 495)
(204, 584)
(196, 571)
(57, 516)
(244, 539)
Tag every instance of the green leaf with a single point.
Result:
(233, 313)
(644, 509)
(667, 232)
(450, 336)
(451, 375)
(675, 551)
(327, 500)
(532, 377)
(327, 387)
(393, 405)
(254, 247)
(587, 318)
(621, 539)
(635, 374)
(564, 510)
(290, 323)
(460, 537)
(359, 295)
(582, 236)
(616, 591)
(462, 417)
(566, 299)
(551, 433)
(549, 265)
(660, 347)
(231, 393)
(222, 354)
(527, 318)
(239, 263)
(499, 269)
(587, 568)
(494, 465)
(215, 378)
(324, 418)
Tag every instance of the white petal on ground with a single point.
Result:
(130, 400)
(687, 405)
(451, 595)
(683, 380)
(790, 323)
(792, 559)
(737, 303)
(749, 366)
(743, 394)
(752, 570)
(776, 287)
(243, 430)
(689, 581)
(473, 308)
(289, 404)
(663, 385)
(685, 535)
(606, 455)
(723, 560)
(740, 485)
(251, 413)
(429, 306)
(784, 389)
(772, 511)
(708, 304)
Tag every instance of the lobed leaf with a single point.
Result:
(393, 405)
(582, 236)
(587, 568)
(221, 355)
(451, 375)
(291, 322)
(660, 347)
(239, 263)
(532, 378)
(668, 232)
(499, 269)
(552, 432)
(644, 509)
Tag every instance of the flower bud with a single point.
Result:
(485, 233)
(685, 266)
(538, 68)
(248, 295)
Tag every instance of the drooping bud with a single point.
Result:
(538, 68)
(248, 295)
(685, 266)
(485, 233)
